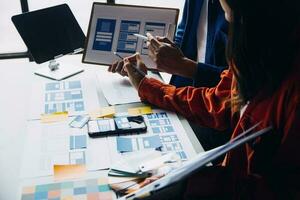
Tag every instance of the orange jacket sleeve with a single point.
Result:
(206, 106)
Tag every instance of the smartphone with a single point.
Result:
(116, 126)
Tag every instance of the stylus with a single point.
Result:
(141, 36)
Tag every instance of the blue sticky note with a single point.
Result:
(103, 188)
(74, 84)
(183, 155)
(52, 86)
(152, 142)
(169, 129)
(80, 190)
(124, 144)
(41, 195)
(156, 129)
(80, 141)
(79, 106)
(72, 142)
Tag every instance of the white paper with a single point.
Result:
(131, 162)
(77, 95)
(111, 30)
(117, 89)
(178, 143)
(49, 144)
(98, 154)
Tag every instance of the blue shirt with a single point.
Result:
(208, 73)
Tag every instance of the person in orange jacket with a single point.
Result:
(262, 86)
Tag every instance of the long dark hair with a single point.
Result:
(260, 45)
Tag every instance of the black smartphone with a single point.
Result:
(116, 126)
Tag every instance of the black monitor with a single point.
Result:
(49, 32)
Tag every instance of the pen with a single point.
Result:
(141, 36)
(133, 65)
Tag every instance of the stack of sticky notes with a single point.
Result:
(54, 117)
(62, 172)
(140, 110)
(103, 112)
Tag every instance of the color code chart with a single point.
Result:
(90, 189)
(63, 96)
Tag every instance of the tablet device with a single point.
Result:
(112, 28)
(50, 32)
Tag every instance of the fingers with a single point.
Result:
(132, 58)
(113, 66)
(140, 63)
(152, 41)
(118, 67)
(164, 40)
(128, 68)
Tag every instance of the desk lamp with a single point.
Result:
(49, 34)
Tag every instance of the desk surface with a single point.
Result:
(16, 79)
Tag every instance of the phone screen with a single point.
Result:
(118, 125)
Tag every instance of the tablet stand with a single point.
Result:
(58, 72)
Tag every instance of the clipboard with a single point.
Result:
(112, 28)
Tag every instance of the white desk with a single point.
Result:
(16, 78)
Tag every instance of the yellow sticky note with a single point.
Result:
(54, 117)
(62, 172)
(103, 112)
(140, 110)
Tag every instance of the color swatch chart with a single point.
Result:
(63, 96)
(90, 189)
(160, 124)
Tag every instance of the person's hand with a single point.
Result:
(118, 67)
(135, 76)
(169, 58)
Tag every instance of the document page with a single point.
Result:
(164, 133)
(76, 95)
(117, 89)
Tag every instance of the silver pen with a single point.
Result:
(141, 36)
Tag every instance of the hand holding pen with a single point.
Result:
(131, 66)
(168, 57)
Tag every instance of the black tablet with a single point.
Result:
(49, 32)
